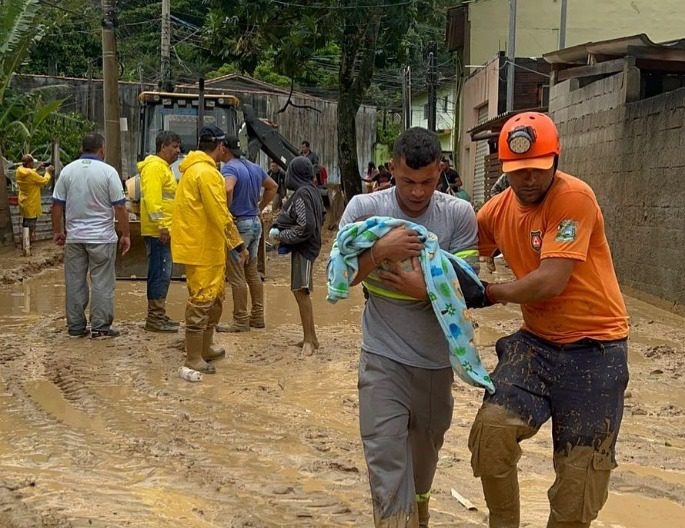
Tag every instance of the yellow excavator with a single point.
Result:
(185, 114)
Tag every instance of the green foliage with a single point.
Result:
(387, 136)
(31, 124)
(18, 30)
(265, 71)
(224, 69)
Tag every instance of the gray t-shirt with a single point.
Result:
(89, 188)
(408, 331)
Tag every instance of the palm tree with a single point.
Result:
(17, 34)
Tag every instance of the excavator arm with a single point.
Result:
(264, 137)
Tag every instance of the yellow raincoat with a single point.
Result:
(201, 227)
(29, 183)
(158, 189)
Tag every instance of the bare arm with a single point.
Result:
(57, 228)
(546, 282)
(398, 244)
(230, 186)
(121, 215)
(270, 188)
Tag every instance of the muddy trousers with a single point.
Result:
(244, 278)
(580, 386)
(404, 413)
(206, 295)
(96, 260)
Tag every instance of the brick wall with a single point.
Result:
(633, 156)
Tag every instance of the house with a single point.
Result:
(477, 31)
(444, 115)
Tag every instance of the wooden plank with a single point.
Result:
(602, 68)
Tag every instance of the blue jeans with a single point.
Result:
(159, 266)
(250, 229)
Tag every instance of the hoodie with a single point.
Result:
(302, 215)
(201, 227)
(157, 193)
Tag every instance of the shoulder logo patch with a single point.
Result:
(536, 240)
(566, 232)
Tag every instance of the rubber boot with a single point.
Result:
(194, 349)
(424, 514)
(211, 352)
(155, 317)
(256, 287)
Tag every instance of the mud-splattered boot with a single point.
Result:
(194, 346)
(211, 352)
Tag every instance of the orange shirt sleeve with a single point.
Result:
(570, 226)
(486, 238)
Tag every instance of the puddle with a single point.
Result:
(51, 399)
(28, 301)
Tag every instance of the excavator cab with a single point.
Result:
(180, 112)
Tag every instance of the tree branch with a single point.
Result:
(289, 102)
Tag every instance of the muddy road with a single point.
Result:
(105, 434)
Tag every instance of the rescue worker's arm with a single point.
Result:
(397, 245)
(546, 282)
(270, 188)
(37, 179)
(121, 214)
(151, 190)
(409, 283)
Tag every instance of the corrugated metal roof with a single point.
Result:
(618, 47)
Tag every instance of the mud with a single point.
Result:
(15, 268)
(105, 434)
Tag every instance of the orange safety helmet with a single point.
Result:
(529, 140)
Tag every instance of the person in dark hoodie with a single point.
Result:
(298, 228)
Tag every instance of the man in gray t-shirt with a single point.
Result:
(405, 378)
(91, 193)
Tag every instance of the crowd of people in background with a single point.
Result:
(378, 178)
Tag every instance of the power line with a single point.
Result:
(60, 8)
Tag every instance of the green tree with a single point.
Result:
(18, 31)
(369, 35)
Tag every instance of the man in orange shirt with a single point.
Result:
(569, 361)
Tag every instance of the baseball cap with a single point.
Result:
(232, 143)
(212, 132)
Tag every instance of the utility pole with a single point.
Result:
(511, 55)
(165, 73)
(562, 24)
(110, 85)
(406, 98)
(432, 85)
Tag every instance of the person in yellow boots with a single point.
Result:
(29, 183)
(158, 190)
(201, 231)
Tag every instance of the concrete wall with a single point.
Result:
(633, 156)
(537, 24)
(481, 88)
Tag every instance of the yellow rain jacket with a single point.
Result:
(157, 190)
(29, 183)
(201, 227)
